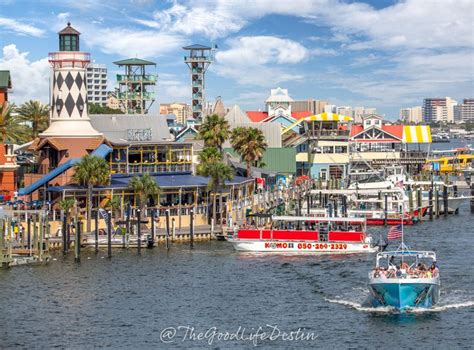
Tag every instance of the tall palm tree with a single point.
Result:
(218, 173)
(208, 155)
(144, 187)
(113, 204)
(36, 113)
(11, 127)
(214, 131)
(66, 205)
(91, 171)
(250, 144)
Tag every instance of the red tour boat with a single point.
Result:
(302, 234)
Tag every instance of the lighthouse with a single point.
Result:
(68, 102)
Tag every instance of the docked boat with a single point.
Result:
(301, 234)
(404, 279)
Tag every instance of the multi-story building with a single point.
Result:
(345, 110)
(438, 109)
(182, 111)
(411, 115)
(330, 108)
(314, 106)
(360, 112)
(97, 84)
(112, 101)
(467, 110)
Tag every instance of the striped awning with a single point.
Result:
(328, 117)
(323, 117)
(416, 134)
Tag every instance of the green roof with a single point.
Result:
(5, 79)
(134, 62)
(280, 160)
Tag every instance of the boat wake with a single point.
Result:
(450, 302)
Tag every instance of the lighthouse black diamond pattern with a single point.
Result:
(69, 103)
(80, 104)
(59, 105)
(60, 80)
(79, 81)
(69, 81)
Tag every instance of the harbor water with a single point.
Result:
(136, 301)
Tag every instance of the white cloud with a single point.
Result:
(258, 60)
(20, 28)
(171, 89)
(30, 79)
(131, 42)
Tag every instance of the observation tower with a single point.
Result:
(198, 60)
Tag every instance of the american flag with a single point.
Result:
(395, 232)
(104, 214)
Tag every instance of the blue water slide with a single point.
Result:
(102, 151)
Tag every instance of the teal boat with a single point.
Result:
(404, 279)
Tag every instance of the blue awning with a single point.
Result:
(102, 151)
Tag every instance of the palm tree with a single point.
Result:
(214, 131)
(113, 204)
(250, 144)
(208, 155)
(91, 171)
(66, 205)
(144, 187)
(218, 173)
(11, 127)
(36, 113)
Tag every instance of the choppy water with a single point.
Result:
(128, 301)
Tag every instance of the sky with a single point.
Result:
(380, 53)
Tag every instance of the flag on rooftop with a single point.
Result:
(395, 232)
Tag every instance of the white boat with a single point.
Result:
(303, 235)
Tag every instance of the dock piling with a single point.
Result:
(437, 202)
(77, 242)
(97, 231)
(191, 228)
(109, 235)
(167, 213)
(445, 200)
(139, 230)
(385, 209)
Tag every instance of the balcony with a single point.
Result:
(328, 134)
(136, 95)
(136, 78)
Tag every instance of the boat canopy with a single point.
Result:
(405, 253)
(317, 218)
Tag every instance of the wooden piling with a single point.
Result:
(167, 213)
(430, 203)
(139, 230)
(445, 200)
(28, 232)
(97, 231)
(173, 230)
(77, 242)
(437, 202)
(152, 243)
(419, 203)
(109, 235)
(191, 228)
(308, 207)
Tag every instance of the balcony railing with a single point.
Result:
(121, 168)
(328, 134)
(136, 95)
(136, 78)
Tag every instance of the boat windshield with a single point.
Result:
(316, 225)
(405, 265)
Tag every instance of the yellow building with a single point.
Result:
(182, 111)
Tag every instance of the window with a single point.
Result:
(340, 149)
(328, 149)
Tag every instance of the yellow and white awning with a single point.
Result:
(323, 117)
(416, 134)
(328, 117)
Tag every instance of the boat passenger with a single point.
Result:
(399, 272)
(391, 272)
(434, 269)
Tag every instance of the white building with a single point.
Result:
(411, 115)
(345, 110)
(330, 108)
(438, 109)
(279, 103)
(97, 84)
(360, 112)
(467, 110)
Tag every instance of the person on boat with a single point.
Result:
(434, 269)
(404, 266)
(391, 272)
(377, 272)
(398, 274)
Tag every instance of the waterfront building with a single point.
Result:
(330, 108)
(466, 110)
(182, 111)
(345, 110)
(97, 84)
(198, 60)
(438, 109)
(360, 112)
(411, 115)
(5, 85)
(8, 164)
(136, 87)
(377, 143)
